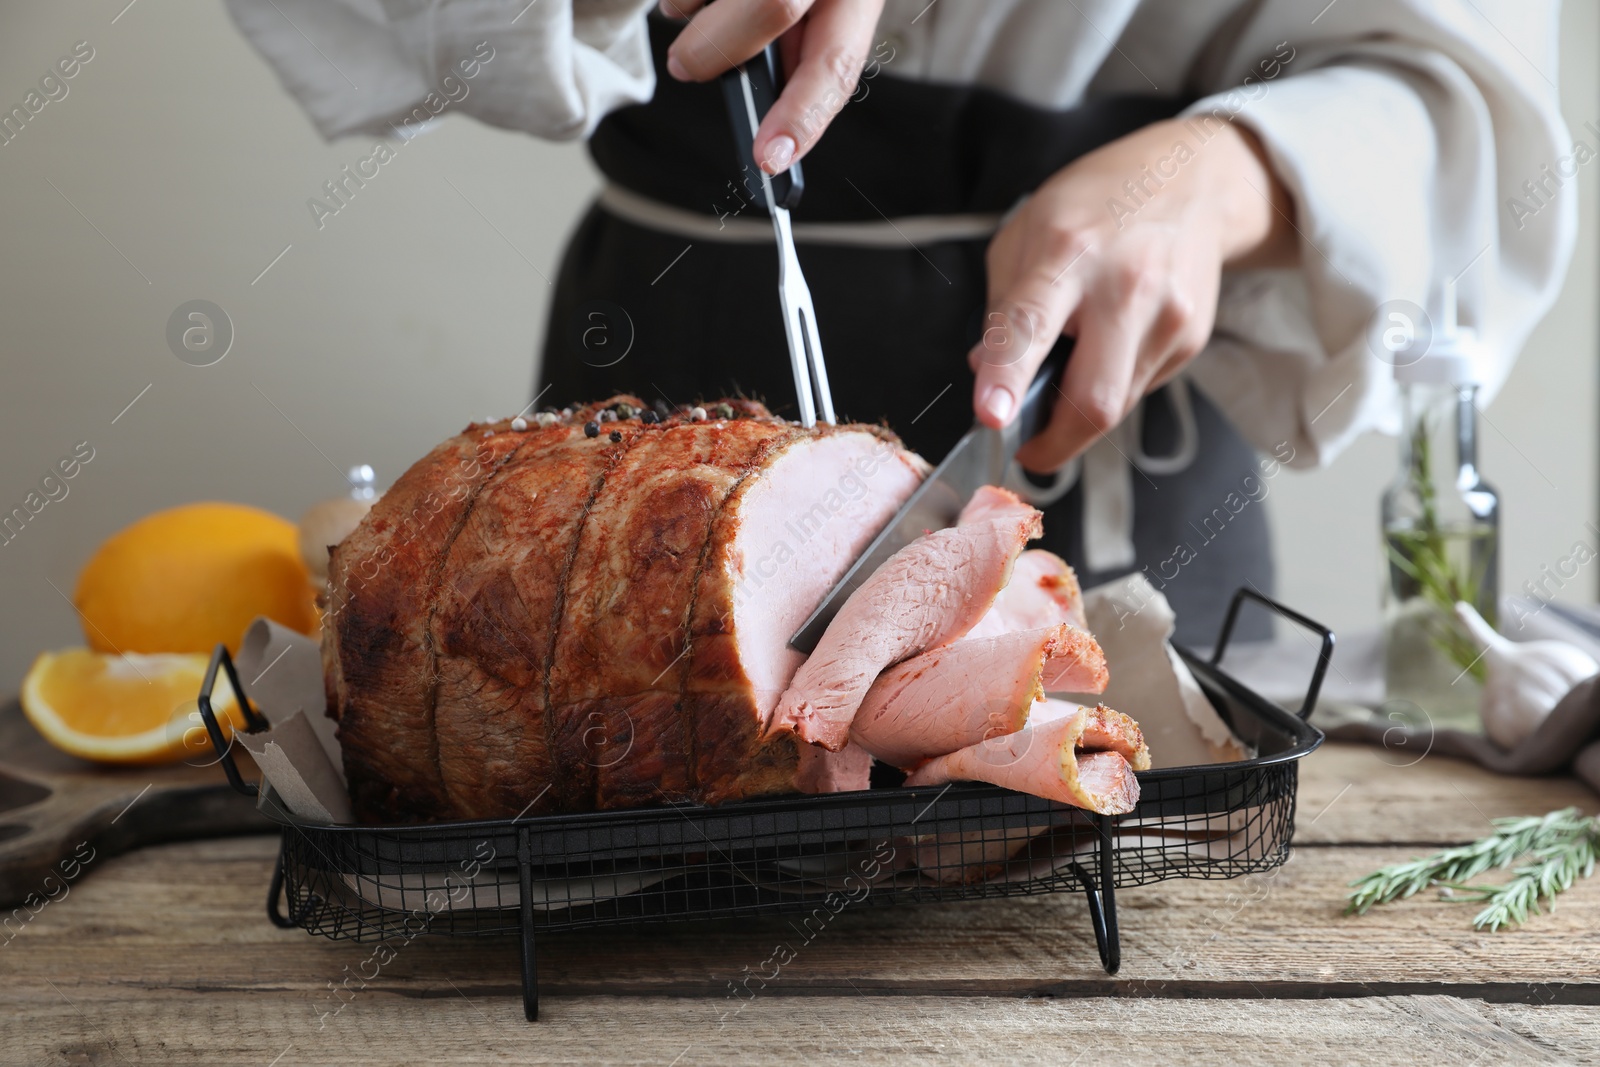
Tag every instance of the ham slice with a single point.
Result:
(926, 595)
(1043, 591)
(1076, 663)
(971, 690)
(1086, 757)
(993, 502)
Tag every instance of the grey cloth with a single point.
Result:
(1568, 741)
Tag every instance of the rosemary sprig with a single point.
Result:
(1564, 846)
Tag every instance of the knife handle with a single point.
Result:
(765, 77)
(1039, 400)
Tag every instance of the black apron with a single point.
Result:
(699, 319)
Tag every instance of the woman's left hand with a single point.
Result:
(1123, 250)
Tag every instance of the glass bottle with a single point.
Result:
(1441, 525)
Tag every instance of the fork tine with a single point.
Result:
(819, 369)
(799, 361)
(799, 322)
(794, 296)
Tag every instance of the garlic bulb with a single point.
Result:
(325, 524)
(1524, 679)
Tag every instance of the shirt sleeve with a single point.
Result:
(1421, 143)
(552, 68)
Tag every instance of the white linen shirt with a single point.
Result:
(1421, 141)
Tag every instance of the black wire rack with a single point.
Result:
(811, 856)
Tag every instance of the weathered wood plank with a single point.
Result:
(164, 955)
(1365, 794)
(65, 1026)
(189, 916)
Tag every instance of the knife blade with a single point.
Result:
(978, 459)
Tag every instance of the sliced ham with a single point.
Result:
(926, 595)
(1043, 591)
(1086, 758)
(1076, 663)
(1102, 729)
(993, 502)
(973, 689)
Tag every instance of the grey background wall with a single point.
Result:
(176, 169)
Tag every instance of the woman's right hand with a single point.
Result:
(1134, 279)
(824, 45)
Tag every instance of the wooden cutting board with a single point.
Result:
(56, 811)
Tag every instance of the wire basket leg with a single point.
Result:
(274, 891)
(530, 962)
(1101, 894)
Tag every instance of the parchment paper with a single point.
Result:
(281, 671)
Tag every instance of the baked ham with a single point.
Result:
(592, 611)
(540, 620)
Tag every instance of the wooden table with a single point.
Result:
(165, 956)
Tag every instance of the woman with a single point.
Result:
(1213, 198)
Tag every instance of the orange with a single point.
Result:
(183, 579)
(124, 709)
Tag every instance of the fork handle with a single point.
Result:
(765, 77)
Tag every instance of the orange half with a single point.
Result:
(134, 708)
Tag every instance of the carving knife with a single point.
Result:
(978, 459)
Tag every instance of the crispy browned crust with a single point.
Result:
(381, 584)
(491, 625)
(621, 658)
(536, 621)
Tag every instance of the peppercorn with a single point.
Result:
(724, 411)
(591, 429)
(649, 418)
(616, 437)
(625, 411)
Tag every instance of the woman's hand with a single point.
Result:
(1123, 250)
(824, 45)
